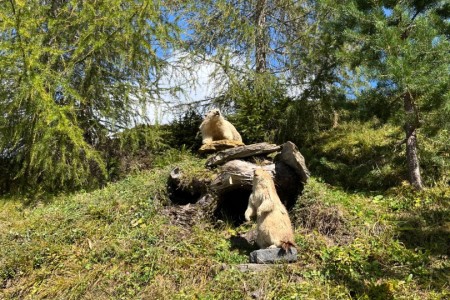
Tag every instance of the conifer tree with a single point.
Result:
(404, 47)
(282, 43)
(73, 73)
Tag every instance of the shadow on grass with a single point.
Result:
(243, 243)
(426, 230)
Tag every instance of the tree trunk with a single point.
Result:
(411, 142)
(260, 38)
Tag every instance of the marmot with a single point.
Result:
(274, 227)
(214, 127)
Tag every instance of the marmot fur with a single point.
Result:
(214, 128)
(274, 227)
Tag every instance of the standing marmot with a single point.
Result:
(274, 227)
(214, 127)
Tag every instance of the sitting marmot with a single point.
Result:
(214, 127)
(274, 227)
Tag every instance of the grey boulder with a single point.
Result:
(273, 255)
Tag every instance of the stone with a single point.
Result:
(252, 267)
(273, 255)
(242, 151)
(294, 159)
(244, 240)
(220, 145)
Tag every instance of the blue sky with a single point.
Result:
(387, 11)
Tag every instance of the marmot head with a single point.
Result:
(261, 175)
(213, 113)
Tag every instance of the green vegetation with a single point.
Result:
(359, 155)
(361, 87)
(117, 243)
(77, 77)
(73, 74)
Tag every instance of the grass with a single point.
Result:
(356, 155)
(115, 243)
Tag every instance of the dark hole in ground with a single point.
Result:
(184, 190)
(182, 196)
(231, 206)
(288, 185)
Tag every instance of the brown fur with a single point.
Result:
(214, 128)
(274, 228)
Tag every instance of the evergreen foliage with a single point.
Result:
(259, 102)
(75, 74)
(184, 131)
(72, 74)
(403, 47)
(300, 71)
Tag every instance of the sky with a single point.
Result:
(205, 87)
(206, 82)
(172, 103)
(197, 91)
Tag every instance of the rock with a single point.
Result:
(272, 255)
(237, 174)
(244, 240)
(220, 145)
(252, 267)
(241, 152)
(293, 158)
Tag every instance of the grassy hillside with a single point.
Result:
(115, 243)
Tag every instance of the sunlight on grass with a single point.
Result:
(113, 243)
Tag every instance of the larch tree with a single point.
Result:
(74, 73)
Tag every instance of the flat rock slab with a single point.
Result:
(220, 145)
(273, 255)
(252, 267)
(241, 152)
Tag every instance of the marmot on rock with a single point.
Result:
(214, 127)
(274, 228)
